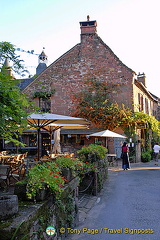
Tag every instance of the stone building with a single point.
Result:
(91, 58)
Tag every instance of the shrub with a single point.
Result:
(92, 153)
(66, 162)
(146, 156)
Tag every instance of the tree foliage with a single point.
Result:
(13, 103)
(94, 104)
(13, 108)
(8, 51)
(130, 123)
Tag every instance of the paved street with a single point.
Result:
(127, 208)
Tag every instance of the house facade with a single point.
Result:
(91, 58)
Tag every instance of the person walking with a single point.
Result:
(125, 156)
(156, 150)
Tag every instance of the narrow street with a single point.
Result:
(127, 208)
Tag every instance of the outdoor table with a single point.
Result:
(4, 158)
(63, 155)
(45, 159)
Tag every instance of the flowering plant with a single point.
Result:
(74, 165)
(48, 174)
(86, 167)
(78, 166)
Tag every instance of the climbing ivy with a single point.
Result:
(150, 122)
(43, 94)
(64, 210)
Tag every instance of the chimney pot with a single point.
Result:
(88, 27)
(142, 78)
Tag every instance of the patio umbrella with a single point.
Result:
(40, 121)
(54, 127)
(43, 119)
(106, 133)
(57, 147)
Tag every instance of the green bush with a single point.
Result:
(146, 156)
(67, 162)
(92, 153)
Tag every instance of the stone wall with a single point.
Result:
(92, 182)
(33, 219)
(91, 58)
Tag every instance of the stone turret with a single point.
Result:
(42, 59)
(7, 68)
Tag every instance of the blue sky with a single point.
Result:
(129, 27)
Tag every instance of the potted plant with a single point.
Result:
(45, 176)
(91, 173)
(68, 166)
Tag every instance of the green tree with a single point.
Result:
(8, 50)
(13, 103)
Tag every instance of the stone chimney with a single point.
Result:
(88, 38)
(142, 78)
(88, 27)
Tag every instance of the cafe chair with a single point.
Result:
(17, 172)
(4, 174)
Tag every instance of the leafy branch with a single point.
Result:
(43, 94)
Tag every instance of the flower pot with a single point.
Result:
(67, 173)
(43, 193)
(20, 191)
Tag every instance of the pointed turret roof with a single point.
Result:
(43, 57)
(7, 63)
(42, 62)
(7, 67)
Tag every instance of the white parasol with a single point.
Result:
(57, 147)
(106, 133)
(42, 120)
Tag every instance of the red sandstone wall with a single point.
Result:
(90, 58)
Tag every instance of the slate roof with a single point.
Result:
(24, 82)
(41, 67)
